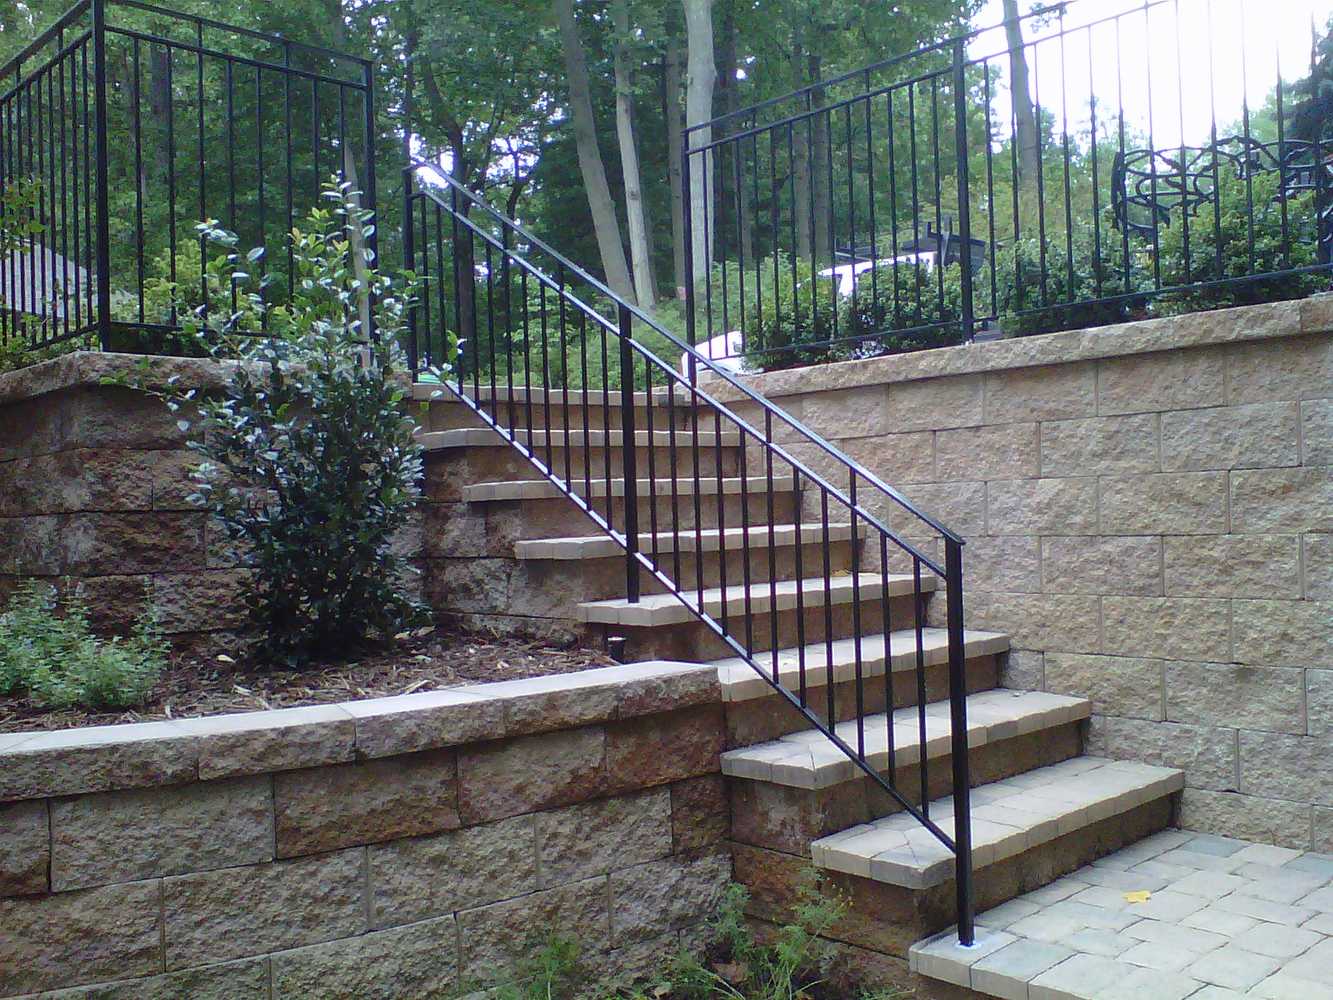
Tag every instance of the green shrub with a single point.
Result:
(48, 653)
(309, 463)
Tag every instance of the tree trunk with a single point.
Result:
(735, 207)
(801, 168)
(603, 208)
(701, 74)
(1025, 115)
(629, 158)
(823, 181)
(671, 94)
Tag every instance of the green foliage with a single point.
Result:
(48, 653)
(308, 459)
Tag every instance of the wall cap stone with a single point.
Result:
(1221, 326)
(42, 764)
(93, 368)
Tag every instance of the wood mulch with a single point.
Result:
(428, 660)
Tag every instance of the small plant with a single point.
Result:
(49, 654)
(309, 462)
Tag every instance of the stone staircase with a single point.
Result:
(528, 561)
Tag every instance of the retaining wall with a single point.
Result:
(400, 847)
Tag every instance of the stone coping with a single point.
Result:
(104, 758)
(1201, 329)
(84, 368)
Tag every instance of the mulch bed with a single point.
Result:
(427, 661)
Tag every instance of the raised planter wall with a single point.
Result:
(1148, 512)
(410, 846)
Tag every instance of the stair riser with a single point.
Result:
(782, 818)
(445, 416)
(693, 641)
(448, 471)
(554, 589)
(889, 919)
(759, 720)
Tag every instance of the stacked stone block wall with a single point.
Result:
(1147, 511)
(404, 847)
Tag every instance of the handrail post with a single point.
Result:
(629, 465)
(102, 170)
(962, 796)
(964, 202)
(409, 262)
(687, 237)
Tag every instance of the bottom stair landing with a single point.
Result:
(1176, 916)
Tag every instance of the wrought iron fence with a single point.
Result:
(1087, 165)
(558, 364)
(122, 127)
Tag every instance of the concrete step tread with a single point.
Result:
(741, 683)
(1008, 818)
(668, 609)
(808, 760)
(686, 540)
(485, 437)
(1176, 915)
(544, 489)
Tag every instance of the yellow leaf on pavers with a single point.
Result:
(1138, 896)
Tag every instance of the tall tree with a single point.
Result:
(1025, 114)
(644, 289)
(672, 94)
(701, 75)
(600, 203)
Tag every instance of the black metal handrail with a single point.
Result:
(125, 124)
(537, 333)
(911, 203)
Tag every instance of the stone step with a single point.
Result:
(1009, 817)
(667, 609)
(544, 489)
(1176, 915)
(741, 683)
(734, 540)
(809, 760)
(485, 437)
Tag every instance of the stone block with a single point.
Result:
(1283, 633)
(962, 506)
(1257, 436)
(848, 413)
(1221, 694)
(454, 530)
(1206, 755)
(328, 808)
(1010, 563)
(80, 937)
(496, 937)
(25, 848)
(1295, 368)
(658, 749)
(481, 586)
(1282, 500)
(141, 542)
(1164, 380)
(1295, 768)
(200, 601)
(68, 482)
(1166, 504)
(99, 758)
(102, 416)
(1100, 446)
(235, 912)
(1323, 830)
(405, 963)
(402, 724)
(1023, 670)
(1043, 392)
(1041, 507)
(1317, 432)
(1257, 566)
(1039, 621)
(1124, 686)
(1317, 551)
(896, 458)
(700, 813)
(1170, 628)
(592, 838)
(931, 404)
(999, 451)
(1252, 817)
(1319, 702)
(140, 833)
(259, 742)
(246, 979)
(424, 877)
(509, 777)
(663, 896)
(1128, 565)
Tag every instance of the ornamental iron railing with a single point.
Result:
(122, 127)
